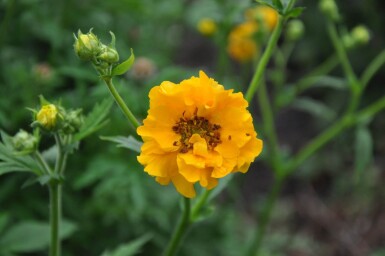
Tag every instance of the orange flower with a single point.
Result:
(196, 131)
(267, 15)
(241, 42)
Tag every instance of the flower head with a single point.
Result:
(196, 131)
(267, 15)
(207, 27)
(241, 42)
(47, 116)
(86, 45)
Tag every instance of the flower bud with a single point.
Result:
(72, 121)
(207, 27)
(295, 29)
(330, 9)
(24, 142)
(86, 45)
(47, 117)
(360, 35)
(108, 54)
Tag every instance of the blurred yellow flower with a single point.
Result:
(47, 116)
(207, 26)
(241, 42)
(196, 131)
(263, 13)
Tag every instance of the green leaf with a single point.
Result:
(266, 2)
(278, 5)
(31, 236)
(363, 150)
(124, 66)
(315, 108)
(95, 120)
(295, 12)
(129, 249)
(125, 142)
(11, 162)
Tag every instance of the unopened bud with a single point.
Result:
(24, 142)
(86, 45)
(47, 117)
(72, 121)
(295, 29)
(360, 35)
(108, 54)
(207, 27)
(330, 9)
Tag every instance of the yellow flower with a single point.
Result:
(196, 131)
(207, 26)
(47, 116)
(264, 13)
(241, 42)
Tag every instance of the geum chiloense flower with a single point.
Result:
(196, 131)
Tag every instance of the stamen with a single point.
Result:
(186, 127)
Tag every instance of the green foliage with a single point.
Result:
(124, 66)
(12, 162)
(130, 248)
(94, 120)
(31, 236)
(125, 142)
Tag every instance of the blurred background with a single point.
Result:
(108, 198)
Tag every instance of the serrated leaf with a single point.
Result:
(124, 66)
(363, 150)
(125, 142)
(295, 12)
(11, 162)
(31, 236)
(129, 249)
(315, 108)
(94, 120)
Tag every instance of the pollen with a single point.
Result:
(186, 127)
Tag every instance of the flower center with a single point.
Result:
(186, 127)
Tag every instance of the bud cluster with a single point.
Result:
(24, 142)
(89, 48)
(359, 35)
(55, 118)
(330, 9)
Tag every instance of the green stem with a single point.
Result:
(255, 82)
(317, 143)
(43, 164)
(269, 127)
(343, 57)
(371, 110)
(328, 65)
(265, 216)
(354, 83)
(55, 195)
(180, 230)
(198, 206)
(126, 111)
(60, 155)
(372, 68)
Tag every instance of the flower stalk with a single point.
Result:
(180, 230)
(122, 105)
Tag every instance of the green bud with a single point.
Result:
(295, 29)
(86, 46)
(72, 121)
(25, 142)
(360, 35)
(108, 54)
(330, 9)
(348, 41)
